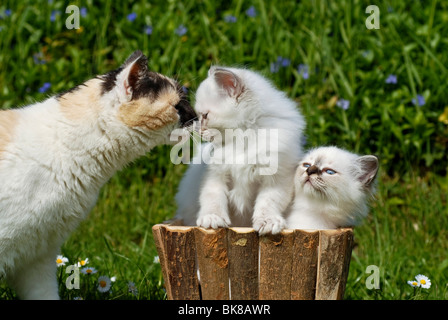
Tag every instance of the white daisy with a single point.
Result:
(423, 281)
(156, 259)
(414, 283)
(61, 260)
(82, 263)
(104, 284)
(88, 270)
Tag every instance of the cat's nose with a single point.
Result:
(312, 169)
(186, 113)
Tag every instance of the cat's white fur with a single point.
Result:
(58, 154)
(331, 199)
(229, 194)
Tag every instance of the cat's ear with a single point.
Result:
(227, 80)
(133, 70)
(369, 167)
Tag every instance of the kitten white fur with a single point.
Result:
(228, 194)
(332, 189)
(58, 154)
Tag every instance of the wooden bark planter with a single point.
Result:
(237, 264)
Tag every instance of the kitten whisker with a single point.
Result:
(192, 134)
(192, 122)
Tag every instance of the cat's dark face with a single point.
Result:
(150, 100)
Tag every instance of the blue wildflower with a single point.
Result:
(251, 12)
(279, 63)
(132, 16)
(420, 100)
(181, 30)
(285, 62)
(45, 87)
(303, 70)
(83, 11)
(148, 30)
(343, 104)
(53, 15)
(7, 13)
(274, 67)
(230, 19)
(391, 79)
(39, 58)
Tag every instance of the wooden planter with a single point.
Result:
(237, 264)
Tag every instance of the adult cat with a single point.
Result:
(55, 156)
(238, 105)
(332, 189)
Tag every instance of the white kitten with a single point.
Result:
(255, 187)
(332, 189)
(55, 156)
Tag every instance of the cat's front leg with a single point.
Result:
(214, 212)
(271, 202)
(37, 280)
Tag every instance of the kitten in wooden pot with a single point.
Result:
(332, 189)
(241, 106)
(55, 156)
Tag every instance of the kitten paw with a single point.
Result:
(207, 135)
(213, 221)
(266, 225)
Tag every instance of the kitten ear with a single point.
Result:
(227, 80)
(134, 69)
(212, 70)
(369, 166)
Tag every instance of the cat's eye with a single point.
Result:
(329, 171)
(306, 165)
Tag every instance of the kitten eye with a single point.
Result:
(329, 171)
(306, 165)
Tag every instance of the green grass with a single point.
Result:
(406, 232)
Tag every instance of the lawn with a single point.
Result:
(373, 91)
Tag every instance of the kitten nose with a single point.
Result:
(312, 169)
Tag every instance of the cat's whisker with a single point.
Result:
(192, 134)
(191, 130)
(195, 138)
(190, 123)
(193, 119)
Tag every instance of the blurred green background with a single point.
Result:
(381, 91)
